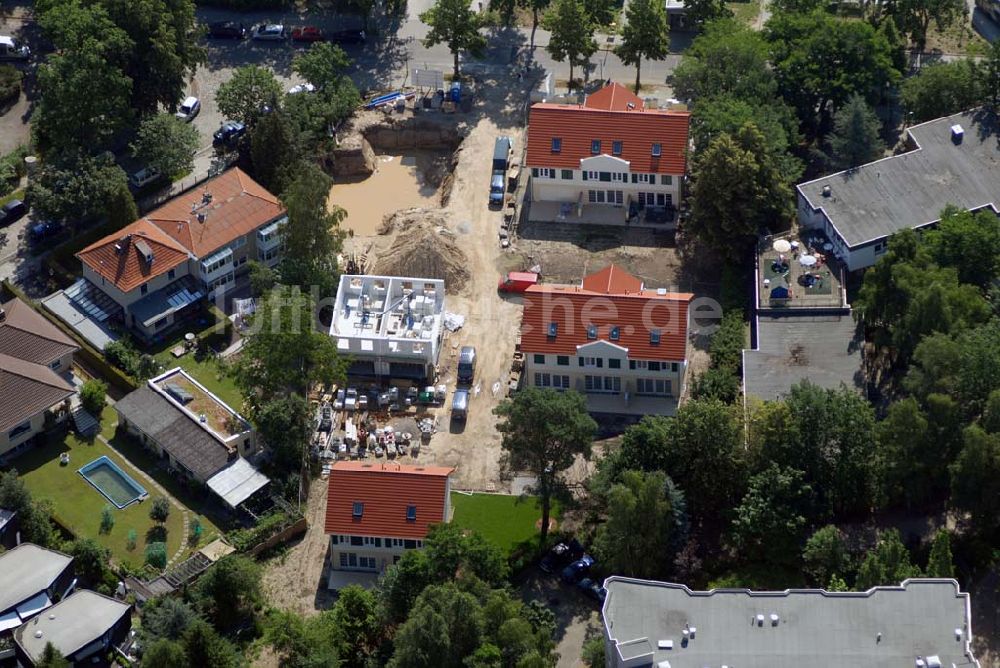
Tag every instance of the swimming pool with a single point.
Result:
(116, 485)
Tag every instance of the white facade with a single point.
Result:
(389, 326)
(604, 179)
(856, 257)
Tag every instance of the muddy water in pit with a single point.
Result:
(400, 182)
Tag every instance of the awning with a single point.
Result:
(237, 482)
(9, 620)
(33, 606)
(179, 294)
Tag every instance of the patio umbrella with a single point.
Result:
(781, 246)
(807, 260)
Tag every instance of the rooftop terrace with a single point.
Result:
(195, 401)
(817, 286)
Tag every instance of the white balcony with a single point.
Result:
(216, 265)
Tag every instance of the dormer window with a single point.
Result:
(411, 513)
(654, 337)
(595, 147)
(615, 333)
(556, 144)
(592, 332)
(358, 510)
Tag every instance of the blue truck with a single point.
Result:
(503, 149)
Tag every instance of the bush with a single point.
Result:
(156, 555)
(269, 525)
(107, 520)
(10, 84)
(12, 168)
(726, 349)
(124, 355)
(194, 532)
(130, 542)
(92, 396)
(160, 510)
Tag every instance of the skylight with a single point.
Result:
(411, 513)
(654, 336)
(359, 509)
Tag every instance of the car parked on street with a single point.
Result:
(227, 30)
(301, 88)
(12, 211)
(348, 37)
(189, 109)
(228, 134)
(577, 569)
(269, 32)
(142, 178)
(11, 49)
(307, 34)
(593, 589)
(560, 555)
(43, 230)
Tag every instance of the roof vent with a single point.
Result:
(661, 291)
(957, 133)
(774, 619)
(38, 634)
(201, 217)
(202, 418)
(827, 191)
(958, 634)
(206, 197)
(51, 616)
(630, 106)
(118, 249)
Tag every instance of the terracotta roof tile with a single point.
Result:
(614, 97)
(386, 490)
(28, 335)
(638, 129)
(27, 389)
(128, 269)
(612, 280)
(636, 315)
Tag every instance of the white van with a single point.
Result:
(11, 50)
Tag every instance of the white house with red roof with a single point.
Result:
(612, 159)
(377, 511)
(621, 344)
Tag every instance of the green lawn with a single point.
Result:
(208, 373)
(502, 519)
(745, 12)
(78, 506)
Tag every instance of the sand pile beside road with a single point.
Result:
(422, 247)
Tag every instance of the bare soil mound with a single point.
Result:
(422, 247)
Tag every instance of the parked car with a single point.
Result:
(143, 177)
(43, 230)
(269, 32)
(11, 49)
(301, 88)
(467, 365)
(351, 400)
(189, 109)
(560, 554)
(460, 405)
(348, 37)
(338, 403)
(229, 133)
(227, 29)
(12, 211)
(593, 589)
(307, 34)
(577, 569)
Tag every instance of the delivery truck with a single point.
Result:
(503, 149)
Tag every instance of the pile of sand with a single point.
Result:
(422, 247)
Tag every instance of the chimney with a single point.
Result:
(201, 217)
(827, 191)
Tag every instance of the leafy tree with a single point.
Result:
(934, 367)
(825, 555)
(856, 137)
(991, 414)
(92, 396)
(702, 12)
(156, 555)
(312, 236)
(543, 431)
(645, 35)
(969, 243)
(284, 351)
(738, 192)
(643, 528)
(940, 89)
(274, 150)
(229, 591)
(601, 12)
(915, 16)
(159, 511)
(444, 627)
(820, 61)
(167, 618)
(989, 70)
(90, 562)
(107, 521)
(325, 66)
(305, 643)
(837, 583)
(164, 653)
(34, 521)
(52, 658)
(167, 144)
(728, 342)
(536, 6)
(728, 59)
(939, 563)
(247, 92)
(910, 456)
(975, 478)
(80, 189)
(721, 384)
(356, 613)
(203, 646)
(888, 564)
(453, 22)
(593, 652)
(979, 366)
(262, 278)
(285, 424)
(771, 521)
(572, 34)
(120, 208)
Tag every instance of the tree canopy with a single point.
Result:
(453, 22)
(248, 91)
(645, 35)
(167, 144)
(572, 34)
(856, 138)
(312, 236)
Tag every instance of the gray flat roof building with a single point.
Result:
(822, 349)
(927, 620)
(955, 160)
(77, 626)
(27, 571)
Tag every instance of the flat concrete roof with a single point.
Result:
(27, 570)
(910, 190)
(814, 628)
(71, 624)
(821, 349)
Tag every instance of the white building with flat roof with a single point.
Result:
(389, 326)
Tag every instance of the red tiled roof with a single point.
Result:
(27, 389)
(238, 206)
(614, 97)
(128, 269)
(637, 129)
(612, 280)
(28, 335)
(386, 490)
(574, 309)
